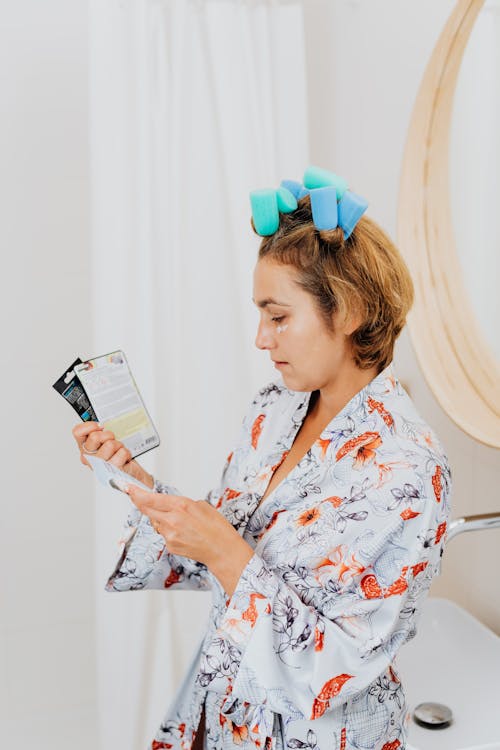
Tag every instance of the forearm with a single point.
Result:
(228, 565)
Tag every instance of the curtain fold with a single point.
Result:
(193, 104)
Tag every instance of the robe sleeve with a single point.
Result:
(306, 644)
(144, 562)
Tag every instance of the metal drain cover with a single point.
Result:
(432, 715)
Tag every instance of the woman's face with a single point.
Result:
(309, 356)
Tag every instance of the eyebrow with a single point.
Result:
(269, 301)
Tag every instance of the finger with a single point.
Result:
(96, 439)
(152, 500)
(107, 449)
(121, 457)
(161, 523)
(82, 429)
(157, 521)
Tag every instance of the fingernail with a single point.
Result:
(126, 488)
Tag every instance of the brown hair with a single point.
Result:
(364, 274)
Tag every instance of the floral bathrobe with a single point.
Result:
(302, 655)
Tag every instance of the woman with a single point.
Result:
(329, 521)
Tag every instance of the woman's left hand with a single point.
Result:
(197, 530)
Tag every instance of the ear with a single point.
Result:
(351, 322)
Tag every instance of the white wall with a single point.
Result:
(47, 663)
(366, 61)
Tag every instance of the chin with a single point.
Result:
(295, 384)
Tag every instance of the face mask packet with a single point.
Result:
(111, 476)
(73, 392)
(118, 404)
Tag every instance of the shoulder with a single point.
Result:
(412, 431)
(405, 435)
(388, 402)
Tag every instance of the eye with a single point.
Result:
(278, 319)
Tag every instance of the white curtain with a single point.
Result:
(193, 104)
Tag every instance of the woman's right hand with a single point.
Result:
(91, 437)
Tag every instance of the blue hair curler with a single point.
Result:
(332, 203)
(324, 207)
(351, 208)
(287, 201)
(294, 187)
(315, 177)
(265, 212)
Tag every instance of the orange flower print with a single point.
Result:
(239, 734)
(172, 578)
(231, 494)
(334, 500)
(323, 444)
(399, 585)
(319, 639)
(362, 448)
(391, 745)
(408, 513)
(436, 483)
(228, 459)
(283, 456)
(250, 612)
(233, 625)
(418, 568)
(329, 690)
(227, 495)
(370, 587)
(380, 408)
(343, 739)
(366, 454)
(257, 429)
(343, 566)
(308, 516)
(156, 745)
(385, 471)
(440, 531)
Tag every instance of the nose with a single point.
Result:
(264, 338)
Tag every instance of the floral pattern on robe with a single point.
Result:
(303, 654)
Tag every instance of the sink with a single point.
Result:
(454, 659)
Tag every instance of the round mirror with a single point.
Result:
(475, 171)
(445, 232)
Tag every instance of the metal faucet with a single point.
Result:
(473, 523)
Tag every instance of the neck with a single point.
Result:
(332, 398)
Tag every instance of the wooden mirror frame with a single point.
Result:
(454, 355)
